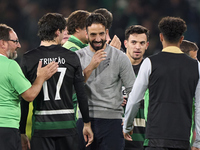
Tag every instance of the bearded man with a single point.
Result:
(105, 70)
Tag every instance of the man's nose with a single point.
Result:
(18, 45)
(98, 38)
(138, 46)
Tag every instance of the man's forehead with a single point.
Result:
(138, 37)
(13, 34)
(96, 26)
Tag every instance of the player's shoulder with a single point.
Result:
(82, 52)
(83, 49)
(114, 50)
(12, 63)
(47, 49)
(31, 51)
(117, 54)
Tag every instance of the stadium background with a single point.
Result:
(23, 15)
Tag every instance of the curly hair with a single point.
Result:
(172, 28)
(96, 18)
(107, 14)
(76, 20)
(4, 32)
(138, 29)
(49, 24)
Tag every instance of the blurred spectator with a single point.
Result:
(23, 15)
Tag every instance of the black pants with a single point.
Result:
(55, 143)
(10, 139)
(107, 134)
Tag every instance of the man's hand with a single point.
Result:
(116, 42)
(98, 57)
(127, 136)
(46, 72)
(124, 102)
(43, 74)
(87, 133)
(25, 142)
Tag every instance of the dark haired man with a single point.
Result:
(54, 126)
(189, 48)
(136, 43)
(115, 42)
(105, 70)
(13, 84)
(77, 40)
(76, 28)
(173, 81)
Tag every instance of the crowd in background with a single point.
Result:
(23, 16)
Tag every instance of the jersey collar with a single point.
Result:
(172, 49)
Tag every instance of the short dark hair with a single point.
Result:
(76, 20)
(49, 24)
(172, 28)
(95, 18)
(138, 29)
(187, 46)
(4, 32)
(107, 14)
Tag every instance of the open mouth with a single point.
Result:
(137, 52)
(97, 44)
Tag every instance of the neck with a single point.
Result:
(78, 36)
(92, 49)
(2, 52)
(48, 43)
(135, 61)
(2, 55)
(104, 47)
(167, 44)
(108, 37)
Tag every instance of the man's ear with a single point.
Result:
(57, 33)
(107, 32)
(147, 45)
(181, 39)
(125, 43)
(108, 39)
(77, 30)
(161, 37)
(3, 44)
(86, 34)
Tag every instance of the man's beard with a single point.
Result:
(96, 48)
(12, 55)
(136, 58)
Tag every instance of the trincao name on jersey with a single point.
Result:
(53, 112)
